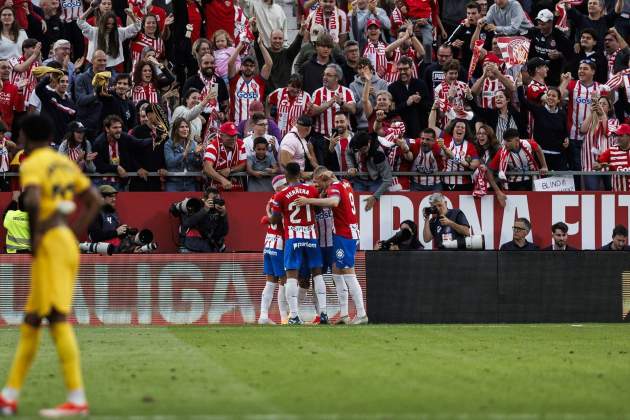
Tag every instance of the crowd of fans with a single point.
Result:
(368, 87)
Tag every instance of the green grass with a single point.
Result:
(415, 371)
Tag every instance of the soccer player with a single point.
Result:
(274, 262)
(50, 182)
(340, 197)
(300, 233)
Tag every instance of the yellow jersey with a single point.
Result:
(58, 178)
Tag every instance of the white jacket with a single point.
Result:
(91, 33)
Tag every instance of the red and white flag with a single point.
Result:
(475, 57)
(514, 50)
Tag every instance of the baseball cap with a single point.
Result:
(623, 130)
(305, 121)
(248, 58)
(373, 21)
(534, 63)
(492, 58)
(60, 43)
(544, 15)
(76, 126)
(228, 128)
(107, 190)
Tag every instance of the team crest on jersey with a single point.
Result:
(340, 254)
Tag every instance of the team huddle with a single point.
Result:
(312, 228)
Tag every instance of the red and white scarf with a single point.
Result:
(140, 42)
(74, 153)
(392, 133)
(376, 54)
(480, 182)
(506, 157)
(145, 92)
(332, 26)
(623, 77)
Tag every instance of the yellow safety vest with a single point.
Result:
(18, 233)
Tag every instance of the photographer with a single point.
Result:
(204, 222)
(406, 239)
(443, 224)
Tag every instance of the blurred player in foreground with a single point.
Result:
(340, 197)
(50, 182)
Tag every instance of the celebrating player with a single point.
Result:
(50, 181)
(274, 262)
(346, 234)
(300, 233)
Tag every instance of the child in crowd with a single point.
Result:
(261, 165)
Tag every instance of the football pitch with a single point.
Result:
(322, 372)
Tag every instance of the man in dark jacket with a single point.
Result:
(88, 105)
(118, 103)
(520, 230)
(313, 70)
(550, 44)
(116, 152)
(559, 233)
(411, 98)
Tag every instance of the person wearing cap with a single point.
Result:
(538, 69)
(245, 85)
(225, 155)
(295, 146)
(506, 17)
(617, 158)
(61, 51)
(52, 91)
(491, 81)
(365, 11)
(107, 226)
(374, 49)
(78, 148)
(549, 43)
(589, 50)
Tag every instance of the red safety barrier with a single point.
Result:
(591, 216)
(162, 290)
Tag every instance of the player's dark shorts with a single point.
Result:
(345, 249)
(328, 258)
(273, 263)
(302, 253)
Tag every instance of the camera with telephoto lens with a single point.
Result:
(401, 236)
(217, 201)
(474, 242)
(136, 240)
(102, 248)
(186, 207)
(428, 211)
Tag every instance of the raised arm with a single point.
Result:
(265, 72)
(232, 70)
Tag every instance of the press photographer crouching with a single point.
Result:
(203, 222)
(448, 228)
(107, 235)
(406, 239)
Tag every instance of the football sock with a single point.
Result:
(68, 352)
(342, 294)
(355, 291)
(291, 291)
(77, 397)
(320, 292)
(24, 355)
(267, 297)
(283, 306)
(302, 294)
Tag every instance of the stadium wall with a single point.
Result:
(161, 290)
(489, 287)
(590, 216)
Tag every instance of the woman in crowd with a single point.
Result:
(486, 143)
(108, 36)
(382, 116)
(550, 126)
(182, 154)
(502, 117)
(597, 128)
(78, 148)
(149, 36)
(191, 111)
(12, 35)
(105, 6)
(148, 79)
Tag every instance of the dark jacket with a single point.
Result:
(151, 158)
(60, 110)
(608, 247)
(550, 129)
(88, 106)
(550, 248)
(212, 227)
(104, 226)
(491, 117)
(541, 45)
(416, 115)
(601, 65)
(128, 148)
(322, 153)
(115, 105)
(511, 246)
(194, 81)
(313, 74)
(378, 166)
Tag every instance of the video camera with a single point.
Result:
(401, 236)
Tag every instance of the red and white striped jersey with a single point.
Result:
(18, 77)
(618, 160)
(325, 227)
(345, 214)
(425, 162)
(534, 92)
(221, 158)
(242, 94)
(392, 65)
(140, 42)
(324, 124)
(288, 108)
(460, 152)
(274, 239)
(619, 79)
(441, 91)
(595, 142)
(71, 10)
(489, 89)
(299, 221)
(520, 160)
(376, 54)
(579, 103)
